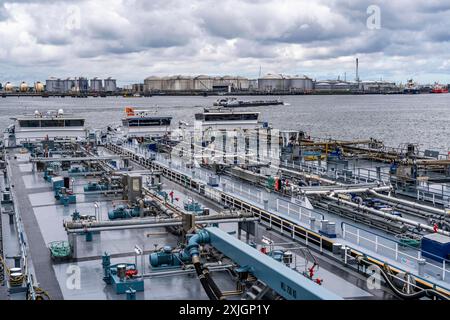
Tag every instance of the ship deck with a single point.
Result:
(43, 219)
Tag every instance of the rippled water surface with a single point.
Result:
(395, 119)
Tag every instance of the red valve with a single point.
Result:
(131, 273)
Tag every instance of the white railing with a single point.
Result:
(409, 256)
(297, 212)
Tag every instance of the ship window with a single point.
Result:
(52, 123)
(74, 123)
(133, 123)
(231, 117)
(30, 123)
(147, 122)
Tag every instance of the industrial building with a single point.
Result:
(198, 83)
(379, 86)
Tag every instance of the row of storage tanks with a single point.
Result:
(270, 82)
(24, 87)
(81, 84)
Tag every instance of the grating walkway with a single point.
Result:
(40, 254)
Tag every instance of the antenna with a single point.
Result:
(259, 72)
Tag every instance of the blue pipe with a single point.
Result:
(201, 237)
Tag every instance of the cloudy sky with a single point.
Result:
(132, 39)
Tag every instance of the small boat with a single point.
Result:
(438, 88)
(234, 103)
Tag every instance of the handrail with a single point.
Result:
(395, 241)
(22, 243)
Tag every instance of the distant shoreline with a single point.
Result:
(218, 94)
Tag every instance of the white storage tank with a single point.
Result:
(9, 87)
(301, 84)
(203, 83)
(39, 87)
(273, 82)
(153, 83)
(23, 87)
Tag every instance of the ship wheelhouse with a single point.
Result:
(142, 123)
(50, 125)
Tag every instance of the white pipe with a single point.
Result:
(156, 225)
(390, 216)
(356, 190)
(309, 176)
(408, 203)
(148, 221)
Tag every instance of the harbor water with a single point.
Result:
(396, 119)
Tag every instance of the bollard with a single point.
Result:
(266, 204)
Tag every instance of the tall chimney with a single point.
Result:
(357, 70)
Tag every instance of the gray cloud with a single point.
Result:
(131, 39)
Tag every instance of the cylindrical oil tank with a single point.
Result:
(153, 83)
(273, 82)
(23, 87)
(300, 83)
(203, 83)
(9, 87)
(39, 87)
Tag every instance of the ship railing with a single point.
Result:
(358, 175)
(23, 246)
(402, 253)
(298, 212)
(408, 280)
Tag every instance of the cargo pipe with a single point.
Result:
(389, 216)
(310, 176)
(339, 191)
(89, 228)
(408, 203)
(146, 221)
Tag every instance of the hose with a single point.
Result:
(207, 282)
(212, 284)
(204, 281)
(429, 293)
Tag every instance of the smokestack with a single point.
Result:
(357, 70)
